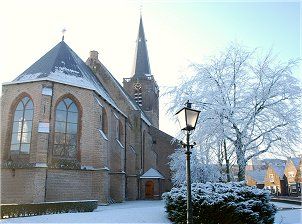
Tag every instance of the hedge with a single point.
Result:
(19, 210)
(220, 203)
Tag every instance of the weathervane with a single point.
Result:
(63, 32)
(140, 9)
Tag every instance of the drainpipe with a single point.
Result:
(125, 159)
(49, 143)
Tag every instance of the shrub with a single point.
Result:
(17, 210)
(214, 203)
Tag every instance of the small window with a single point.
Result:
(120, 132)
(291, 174)
(104, 121)
(271, 177)
(22, 126)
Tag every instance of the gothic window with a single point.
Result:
(22, 126)
(104, 121)
(66, 130)
(120, 131)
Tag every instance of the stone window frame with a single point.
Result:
(77, 158)
(14, 105)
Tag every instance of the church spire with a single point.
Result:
(141, 60)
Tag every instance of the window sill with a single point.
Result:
(121, 145)
(103, 135)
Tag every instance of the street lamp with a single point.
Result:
(187, 118)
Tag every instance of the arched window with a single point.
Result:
(66, 130)
(104, 121)
(120, 131)
(22, 126)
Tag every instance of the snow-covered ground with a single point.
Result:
(127, 212)
(289, 214)
(139, 212)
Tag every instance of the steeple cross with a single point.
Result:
(63, 33)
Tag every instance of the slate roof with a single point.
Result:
(279, 170)
(257, 175)
(274, 161)
(61, 64)
(131, 101)
(141, 60)
(296, 161)
(152, 174)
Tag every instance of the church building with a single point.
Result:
(71, 131)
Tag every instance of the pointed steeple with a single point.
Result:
(141, 60)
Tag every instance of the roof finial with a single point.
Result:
(140, 9)
(63, 32)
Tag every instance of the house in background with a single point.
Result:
(275, 180)
(293, 174)
(281, 177)
(255, 178)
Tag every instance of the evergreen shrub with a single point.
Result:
(18, 210)
(223, 203)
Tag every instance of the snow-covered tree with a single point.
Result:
(201, 172)
(253, 102)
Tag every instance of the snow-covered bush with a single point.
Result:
(227, 203)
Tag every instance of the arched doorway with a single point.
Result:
(149, 189)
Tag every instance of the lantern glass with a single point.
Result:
(192, 116)
(181, 117)
(187, 118)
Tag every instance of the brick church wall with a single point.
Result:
(65, 185)
(93, 148)
(22, 185)
(164, 147)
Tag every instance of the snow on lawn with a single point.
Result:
(127, 212)
(140, 212)
(288, 213)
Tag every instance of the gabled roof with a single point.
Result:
(257, 175)
(131, 101)
(152, 174)
(274, 161)
(278, 169)
(61, 64)
(141, 60)
(296, 161)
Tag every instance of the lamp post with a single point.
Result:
(187, 118)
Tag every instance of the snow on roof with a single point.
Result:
(296, 161)
(61, 64)
(132, 102)
(277, 162)
(279, 170)
(257, 175)
(152, 174)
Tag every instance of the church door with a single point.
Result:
(149, 190)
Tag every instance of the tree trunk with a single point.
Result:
(240, 160)
(227, 162)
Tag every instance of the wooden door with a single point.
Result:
(149, 189)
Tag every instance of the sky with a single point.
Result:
(178, 33)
